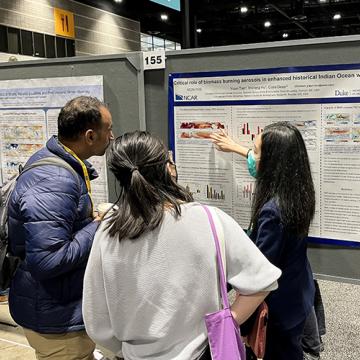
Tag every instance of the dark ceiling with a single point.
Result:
(223, 23)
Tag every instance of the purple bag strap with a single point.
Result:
(223, 291)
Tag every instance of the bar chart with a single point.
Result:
(251, 132)
(214, 194)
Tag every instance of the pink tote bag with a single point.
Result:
(223, 332)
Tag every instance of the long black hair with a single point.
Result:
(139, 162)
(284, 175)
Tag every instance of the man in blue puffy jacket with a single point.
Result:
(51, 227)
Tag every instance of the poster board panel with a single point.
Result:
(28, 118)
(322, 101)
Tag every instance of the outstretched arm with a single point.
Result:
(223, 142)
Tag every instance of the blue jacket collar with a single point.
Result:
(54, 146)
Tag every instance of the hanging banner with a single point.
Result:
(322, 101)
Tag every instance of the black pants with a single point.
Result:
(310, 341)
(314, 326)
(284, 344)
(319, 310)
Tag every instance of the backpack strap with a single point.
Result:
(9, 187)
(52, 160)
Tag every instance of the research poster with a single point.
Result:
(28, 118)
(322, 101)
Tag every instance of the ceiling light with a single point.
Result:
(285, 35)
(118, 1)
(300, 17)
(199, 30)
(164, 17)
(337, 17)
(322, 1)
(243, 9)
(267, 24)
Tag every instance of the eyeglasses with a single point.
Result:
(173, 170)
(171, 158)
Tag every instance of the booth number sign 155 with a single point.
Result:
(154, 59)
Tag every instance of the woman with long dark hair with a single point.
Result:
(282, 209)
(151, 275)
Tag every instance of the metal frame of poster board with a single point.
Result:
(283, 70)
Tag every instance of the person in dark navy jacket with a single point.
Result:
(282, 209)
(51, 227)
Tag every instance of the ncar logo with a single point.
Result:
(185, 97)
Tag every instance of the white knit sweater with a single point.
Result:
(148, 296)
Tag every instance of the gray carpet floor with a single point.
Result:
(342, 309)
(342, 340)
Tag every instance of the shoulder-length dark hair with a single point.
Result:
(139, 162)
(284, 175)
